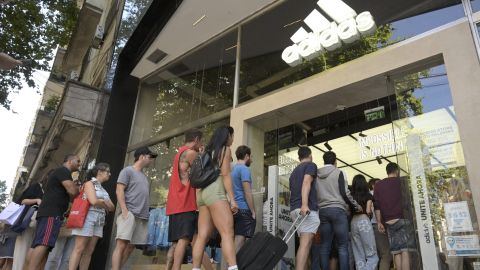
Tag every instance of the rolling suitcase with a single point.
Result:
(264, 250)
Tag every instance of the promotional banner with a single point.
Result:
(458, 217)
(421, 201)
(463, 245)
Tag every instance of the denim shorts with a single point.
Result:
(93, 225)
(401, 236)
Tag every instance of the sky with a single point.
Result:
(16, 126)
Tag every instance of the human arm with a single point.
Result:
(92, 198)
(369, 210)
(247, 190)
(306, 186)
(120, 191)
(227, 179)
(345, 193)
(31, 201)
(378, 215)
(109, 206)
(186, 160)
(70, 187)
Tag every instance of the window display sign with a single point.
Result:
(463, 245)
(421, 200)
(458, 217)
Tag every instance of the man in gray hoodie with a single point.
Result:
(334, 199)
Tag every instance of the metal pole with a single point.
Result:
(475, 35)
(236, 87)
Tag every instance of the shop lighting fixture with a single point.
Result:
(199, 20)
(292, 23)
(328, 146)
(362, 135)
(379, 160)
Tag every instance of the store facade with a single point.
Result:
(375, 81)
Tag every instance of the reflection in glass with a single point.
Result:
(265, 38)
(190, 89)
(437, 175)
(475, 5)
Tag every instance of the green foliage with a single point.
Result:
(52, 104)
(3, 194)
(30, 31)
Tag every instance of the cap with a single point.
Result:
(144, 151)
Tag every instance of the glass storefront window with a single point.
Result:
(434, 167)
(189, 89)
(475, 5)
(159, 175)
(413, 124)
(264, 39)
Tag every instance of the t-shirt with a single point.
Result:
(240, 173)
(55, 199)
(34, 191)
(388, 198)
(137, 190)
(296, 183)
(369, 197)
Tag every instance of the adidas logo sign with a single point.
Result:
(347, 27)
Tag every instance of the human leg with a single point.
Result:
(326, 233)
(179, 253)
(39, 253)
(340, 228)
(120, 247)
(367, 238)
(87, 253)
(357, 247)
(223, 220)
(383, 249)
(79, 246)
(205, 228)
(303, 251)
(169, 261)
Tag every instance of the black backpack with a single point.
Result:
(203, 170)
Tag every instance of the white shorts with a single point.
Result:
(310, 224)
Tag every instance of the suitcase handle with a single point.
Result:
(293, 229)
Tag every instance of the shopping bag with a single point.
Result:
(24, 220)
(79, 211)
(11, 213)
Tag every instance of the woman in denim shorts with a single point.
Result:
(86, 238)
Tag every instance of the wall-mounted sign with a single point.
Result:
(462, 245)
(374, 114)
(458, 217)
(347, 27)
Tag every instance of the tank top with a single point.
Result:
(101, 193)
(181, 198)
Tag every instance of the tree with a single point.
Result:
(30, 31)
(3, 194)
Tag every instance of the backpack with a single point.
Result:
(203, 171)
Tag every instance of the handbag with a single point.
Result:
(204, 170)
(24, 220)
(79, 211)
(11, 213)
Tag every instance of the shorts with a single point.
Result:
(401, 236)
(132, 229)
(213, 193)
(244, 223)
(93, 225)
(182, 225)
(47, 231)
(311, 223)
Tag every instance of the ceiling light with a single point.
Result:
(328, 146)
(361, 134)
(199, 20)
(379, 160)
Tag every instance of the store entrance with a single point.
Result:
(412, 124)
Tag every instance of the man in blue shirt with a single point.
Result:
(242, 189)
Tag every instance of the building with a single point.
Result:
(406, 92)
(71, 113)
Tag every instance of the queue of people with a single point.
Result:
(366, 220)
(347, 221)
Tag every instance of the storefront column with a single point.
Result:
(463, 70)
